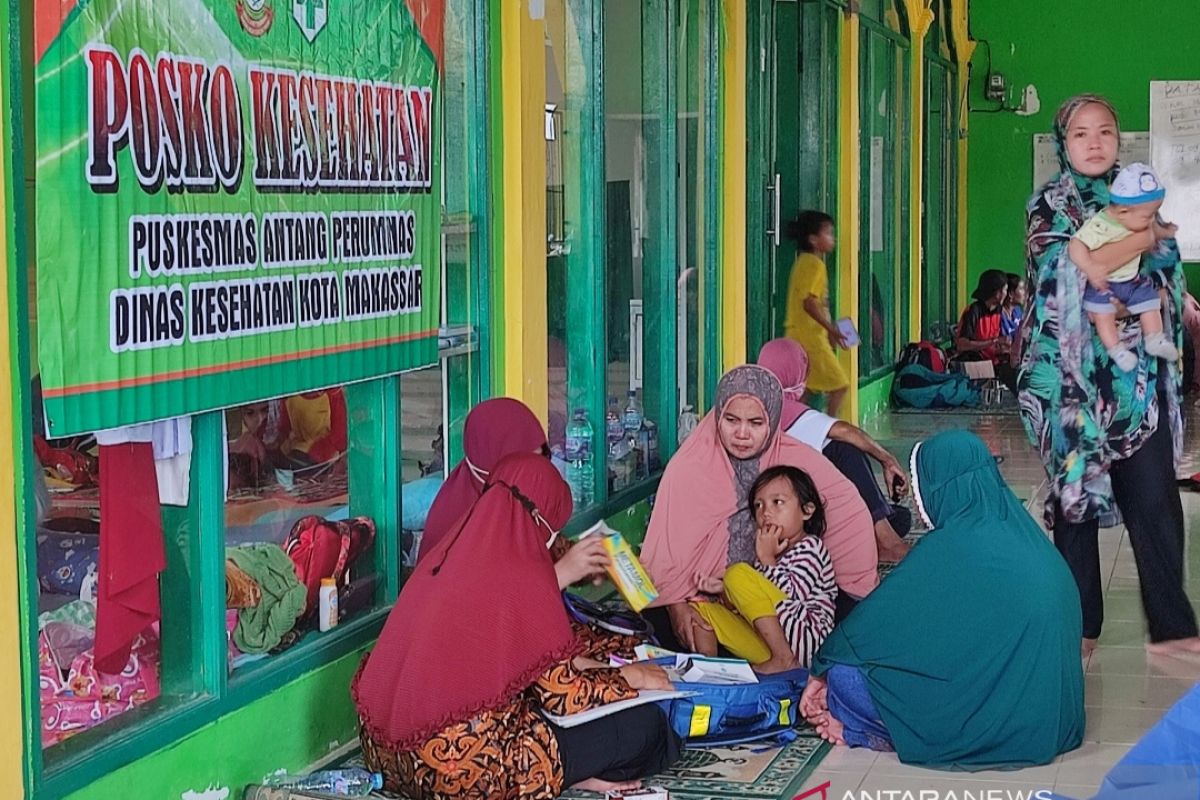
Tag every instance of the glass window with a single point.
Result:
(882, 305)
(940, 189)
(639, 246)
(464, 232)
(561, 176)
(290, 461)
(696, 207)
(76, 695)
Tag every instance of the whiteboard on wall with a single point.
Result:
(1175, 156)
(1135, 146)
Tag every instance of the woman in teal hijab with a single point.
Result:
(967, 655)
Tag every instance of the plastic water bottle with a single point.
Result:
(619, 475)
(687, 423)
(633, 414)
(614, 427)
(580, 473)
(353, 782)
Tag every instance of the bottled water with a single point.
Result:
(614, 427)
(620, 465)
(352, 782)
(580, 472)
(687, 423)
(633, 414)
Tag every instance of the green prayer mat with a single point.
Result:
(755, 771)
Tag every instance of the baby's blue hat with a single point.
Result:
(1136, 184)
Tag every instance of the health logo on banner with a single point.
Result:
(310, 15)
(232, 207)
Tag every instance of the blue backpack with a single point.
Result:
(725, 714)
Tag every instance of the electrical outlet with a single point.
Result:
(995, 87)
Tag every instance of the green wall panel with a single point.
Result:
(1082, 46)
(289, 729)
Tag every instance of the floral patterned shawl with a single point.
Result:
(1080, 411)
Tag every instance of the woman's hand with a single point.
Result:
(646, 676)
(587, 558)
(769, 544)
(815, 699)
(1164, 230)
(710, 584)
(686, 621)
(836, 340)
(583, 663)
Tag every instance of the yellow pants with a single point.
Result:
(754, 597)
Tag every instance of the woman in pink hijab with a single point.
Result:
(702, 522)
(494, 429)
(846, 445)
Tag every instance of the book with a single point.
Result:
(703, 669)
(644, 696)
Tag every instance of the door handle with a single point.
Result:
(773, 230)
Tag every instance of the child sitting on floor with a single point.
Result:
(792, 577)
(1135, 199)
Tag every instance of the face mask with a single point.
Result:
(540, 520)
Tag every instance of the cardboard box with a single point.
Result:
(978, 370)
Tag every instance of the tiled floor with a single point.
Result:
(1126, 691)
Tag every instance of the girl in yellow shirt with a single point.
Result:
(808, 320)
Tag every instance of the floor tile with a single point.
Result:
(1123, 632)
(1088, 764)
(1134, 691)
(1136, 661)
(1119, 725)
(840, 783)
(849, 759)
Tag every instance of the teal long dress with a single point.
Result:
(970, 647)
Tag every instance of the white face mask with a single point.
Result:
(481, 475)
(916, 486)
(537, 516)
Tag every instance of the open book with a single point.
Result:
(644, 696)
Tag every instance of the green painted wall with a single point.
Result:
(294, 728)
(1065, 47)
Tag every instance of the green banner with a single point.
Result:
(236, 200)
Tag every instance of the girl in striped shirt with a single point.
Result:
(791, 578)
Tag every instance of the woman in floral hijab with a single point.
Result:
(1110, 440)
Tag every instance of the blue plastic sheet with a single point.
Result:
(1165, 764)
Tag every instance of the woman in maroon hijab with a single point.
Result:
(494, 429)
(479, 646)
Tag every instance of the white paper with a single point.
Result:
(1175, 155)
(702, 669)
(644, 696)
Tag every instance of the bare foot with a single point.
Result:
(1088, 647)
(830, 728)
(895, 551)
(775, 665)
(599, 786)
(891, 546)
(1175, 647)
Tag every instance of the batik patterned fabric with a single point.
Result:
(503, 753)
(1079, 409)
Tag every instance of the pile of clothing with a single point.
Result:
(271, 590)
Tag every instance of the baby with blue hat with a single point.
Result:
(1134, 200)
